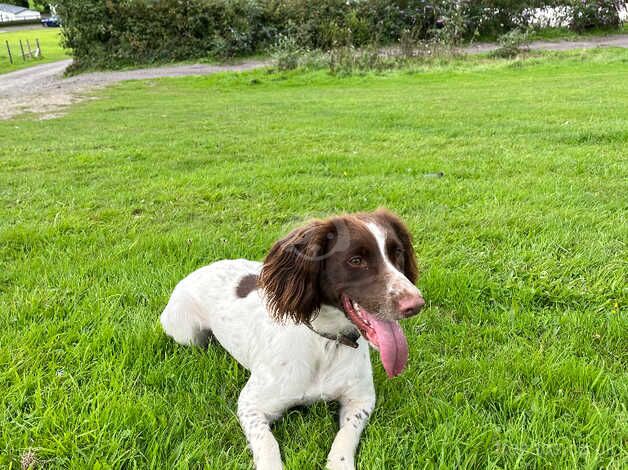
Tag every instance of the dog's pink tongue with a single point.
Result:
(392, 344)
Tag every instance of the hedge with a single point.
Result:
(114, 33)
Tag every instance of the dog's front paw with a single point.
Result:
(340, 462)
(268, 465)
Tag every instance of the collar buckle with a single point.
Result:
(340, 338)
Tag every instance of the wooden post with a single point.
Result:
(22, 49)
(38, 48)
(9, 50)
(28, 46)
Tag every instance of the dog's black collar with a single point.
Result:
(348, 340)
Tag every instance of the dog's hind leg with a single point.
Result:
(182, 319)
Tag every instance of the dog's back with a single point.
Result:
(210, 302)
(222, 301)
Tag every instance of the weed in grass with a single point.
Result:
(511, 44)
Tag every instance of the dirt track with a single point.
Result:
(42, 89)
(620, 40)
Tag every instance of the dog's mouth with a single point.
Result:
(384, 335)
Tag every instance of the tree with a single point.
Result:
(38, 5)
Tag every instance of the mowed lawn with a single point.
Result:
(49, 40)
(520, 360)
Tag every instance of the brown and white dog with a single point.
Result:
(302, 321)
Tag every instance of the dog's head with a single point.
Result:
(362, 264)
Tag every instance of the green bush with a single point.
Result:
(511, 44)
(332, 23)
(117, 33)
(468, 18)
(114, 33)
(287, 53)
(590, 14)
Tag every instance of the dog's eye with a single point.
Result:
(357, 261)
(399, 252)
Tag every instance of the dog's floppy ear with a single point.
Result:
(291, 271)
(410, 269)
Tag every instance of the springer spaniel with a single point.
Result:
(302, 321)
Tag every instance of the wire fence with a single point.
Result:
(23, 50)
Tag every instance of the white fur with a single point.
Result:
(290, 364)
(398, 283)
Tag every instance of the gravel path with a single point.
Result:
(620, 40)
(9, 28)
(43, 89)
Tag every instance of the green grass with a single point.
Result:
(48, 40)
(520, 360)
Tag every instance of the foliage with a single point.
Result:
(114, 33)
(118, 33)
(511, 44)
(347, 60)
(39, 5)
(286, 52)
(590, 14)
(494, 17)
(468, 18)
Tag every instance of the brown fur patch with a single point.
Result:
(310, 266)
(291, 269)
(246, 285)
(387, 218)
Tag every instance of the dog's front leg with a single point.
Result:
(354, 414)
(256, 410)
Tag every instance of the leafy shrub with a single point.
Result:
(347, 60)
(468, 18)
(511, 44)
(287, 53)
(40, 6)
(333, 23)
(115, 33)
(589, 14)
(456, 22)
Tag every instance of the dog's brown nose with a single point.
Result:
(410, 304)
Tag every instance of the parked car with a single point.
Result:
(52, 22)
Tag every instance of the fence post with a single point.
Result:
(28, 46)
(38, 48)
(9, 50)
(22, 49)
